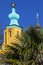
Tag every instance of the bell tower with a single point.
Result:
(13, 28)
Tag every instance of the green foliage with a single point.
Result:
(29, 49)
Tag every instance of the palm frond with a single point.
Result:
(14, 61)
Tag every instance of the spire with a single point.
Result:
(13, 16)
(37, 21)
(37, 15)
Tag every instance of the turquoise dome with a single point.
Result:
(14, 17)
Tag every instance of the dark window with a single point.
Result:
(10, 33)
(17, 33)
(0, 46)
(5, 37)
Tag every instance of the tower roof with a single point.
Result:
(14, 17)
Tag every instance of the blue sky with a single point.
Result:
(27, 9)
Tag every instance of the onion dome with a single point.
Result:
(14, 17)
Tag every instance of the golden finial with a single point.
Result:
(13, 5)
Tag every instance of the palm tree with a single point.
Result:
(36, 46)
(27, 53)
(20, 52)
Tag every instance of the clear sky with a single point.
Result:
(27, 10)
